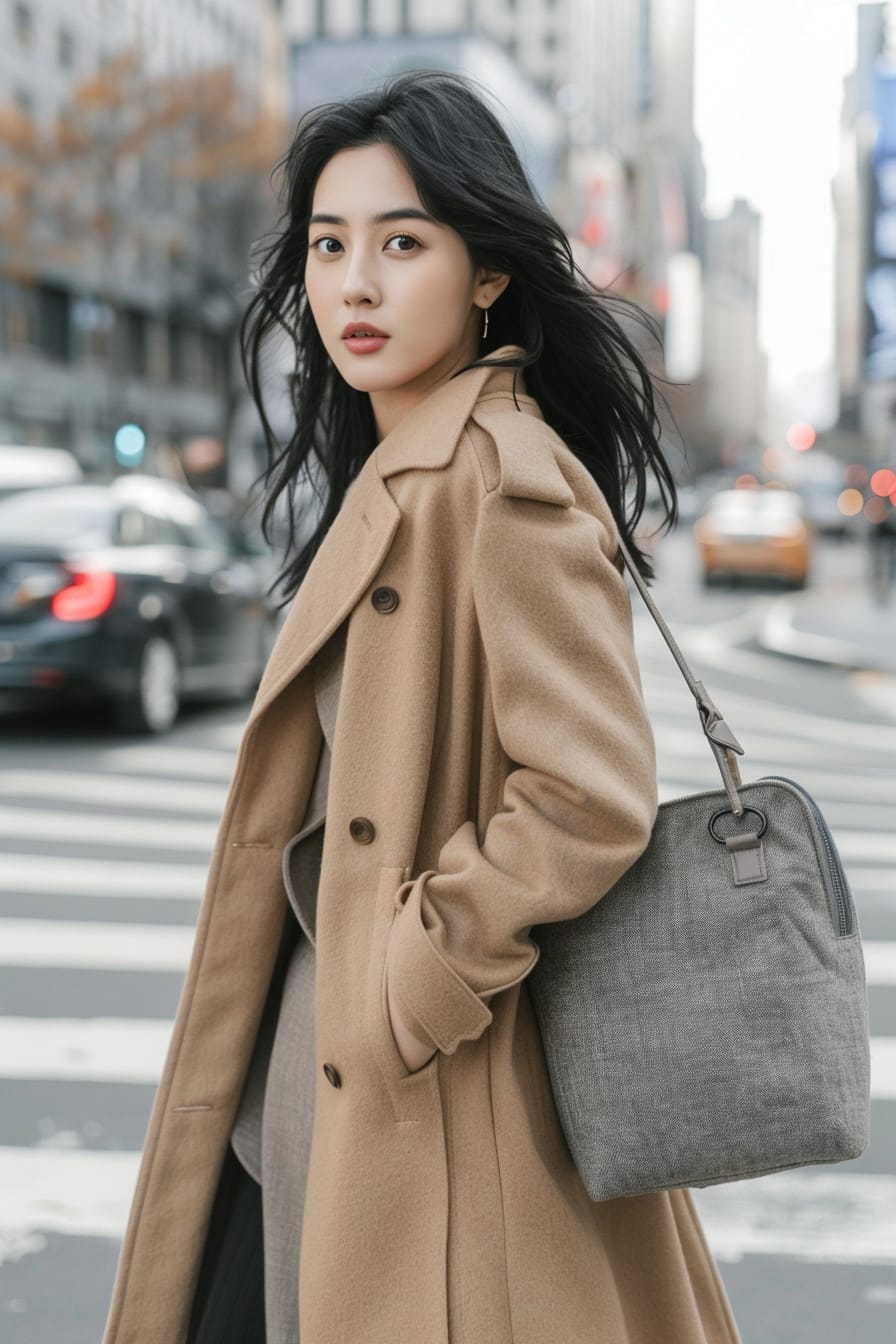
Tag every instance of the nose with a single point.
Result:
(359, 284)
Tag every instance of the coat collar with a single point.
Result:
(359, 537)
(429, 434)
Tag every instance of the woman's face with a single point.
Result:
(377, 259)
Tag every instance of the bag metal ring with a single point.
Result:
(726, 811)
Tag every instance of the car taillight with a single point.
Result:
(88, 595)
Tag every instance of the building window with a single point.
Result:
(212, 353)
(54, 323)
(138, 347)
(23, 23)
(65, 48)
(644, 57)
(18, 316)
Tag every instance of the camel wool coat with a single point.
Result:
(492, 769)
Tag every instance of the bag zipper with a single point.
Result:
(842, 908)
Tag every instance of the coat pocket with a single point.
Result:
(405, 1087)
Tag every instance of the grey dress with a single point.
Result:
(272, 1133)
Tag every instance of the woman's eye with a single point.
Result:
(404, 238)
(331, 247)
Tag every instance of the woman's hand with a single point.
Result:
(414, 1053)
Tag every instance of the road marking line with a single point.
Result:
(781, 636)
(155, 759)
(224, 734)
(81, 1193)
(862, 880)
(807, 1214)
(705, 647)
(149, 793)
(96, 1050)
(880, 961)
(883, 1070)
(63, 876)
(795, 723)
(877, 689)
(99, 828)
(678, 740)
(85, 945)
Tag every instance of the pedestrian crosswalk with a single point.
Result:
(120, 835)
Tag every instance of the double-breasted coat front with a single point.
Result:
(492, 769)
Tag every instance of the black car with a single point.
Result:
(129, 591)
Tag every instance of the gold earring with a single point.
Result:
(485, 325)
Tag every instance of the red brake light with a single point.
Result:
(88, 595)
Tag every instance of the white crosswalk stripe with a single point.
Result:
(149, 793)
(94, 1050)
(160, 759)
(86, 945)
(101, 877)
(813, 1214)
(19, 823)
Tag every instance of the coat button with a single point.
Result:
(332, 1075)
(361, 830)
(385, 599)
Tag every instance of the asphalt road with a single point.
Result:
(103, 848)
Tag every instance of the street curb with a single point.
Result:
(778, 634)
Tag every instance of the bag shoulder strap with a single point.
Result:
(719, 736)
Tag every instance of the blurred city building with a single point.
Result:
(635, 196)
(134, 142)
(858, 131)
(735, 368)
(135, 146)
(535, 33)
(865, 206)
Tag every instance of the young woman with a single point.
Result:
(354, 1140)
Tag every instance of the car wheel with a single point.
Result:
(154, 704)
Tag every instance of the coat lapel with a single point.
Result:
(349, 556)
(360, 536)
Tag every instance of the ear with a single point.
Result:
(490, 285)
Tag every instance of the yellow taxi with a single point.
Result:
(756, 532)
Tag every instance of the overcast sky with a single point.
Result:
(769, 86)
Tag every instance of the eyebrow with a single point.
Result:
(386, 217)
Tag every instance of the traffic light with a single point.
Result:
(130, 444)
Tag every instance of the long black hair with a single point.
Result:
(588, 378)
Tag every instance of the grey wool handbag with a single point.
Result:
(707, 1019)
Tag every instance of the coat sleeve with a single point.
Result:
(579, 806)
